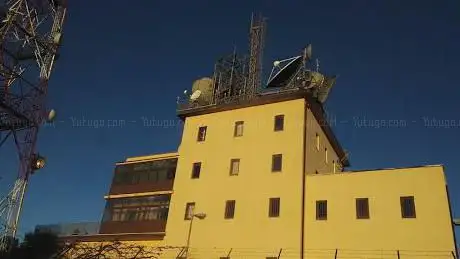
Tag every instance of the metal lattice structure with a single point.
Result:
(30, 35)
(256, 41)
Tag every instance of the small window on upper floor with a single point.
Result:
(317, 142)
(234, 166)
(279, 122)
(277, 163)
(321, 210)
(408, 207)
(202, 133)
(326, 156)
(274, 207)
(239, 126)
(189, 208)
(362, 208)
(196, 170)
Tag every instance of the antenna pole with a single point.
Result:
(256, 45)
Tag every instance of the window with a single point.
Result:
(317, 141)
(239, 125)
(277, 163)
(334, 166)
(325, 155)
(274, 207)
(196, 170)
(229, 209)
(137, 208)
(279, 122)
(321, 210)
(202, 133)
(362, 208)
(151, 171)
(408, 207)
(189, 207)
(234, 166)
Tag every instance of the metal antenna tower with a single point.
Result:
(256, 41)
(30, 35)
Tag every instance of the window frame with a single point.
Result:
(274, 207)
(232, 161)
(202, 132)
(196, 174)
(274, 160)
(235, 131)
(187, 215)
(362, 212)
(321, 211)
(403, 199)
(229, 209)
(278, 119)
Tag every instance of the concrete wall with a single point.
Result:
(316, 157)
(251, 188)
(385, 231)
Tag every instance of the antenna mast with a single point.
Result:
(30, 36)
(256, 41)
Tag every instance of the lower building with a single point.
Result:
(386, 213)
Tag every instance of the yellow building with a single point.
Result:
(260, 174)
(264, 180)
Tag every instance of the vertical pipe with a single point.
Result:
(399, 256)
(304, 153)
(335, 255)
(188, 237)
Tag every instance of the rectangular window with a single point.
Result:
(202, 133)
(334, 167)
(189, 208)
(408, 207)
(277, 163)
(279, 122)
(325, 155)
(274, 207)
(317, 141)
(234, 166)
(239, 125)
(321, 210)
(196, 170)
(362, 208)
(229, 209)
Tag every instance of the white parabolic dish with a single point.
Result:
(195, 95)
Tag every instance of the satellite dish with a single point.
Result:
(51, 115)
(281, 74)
(325, 88)
(195, 95)
(205, 87)
(308, 52)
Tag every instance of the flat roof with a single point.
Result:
(160, 156)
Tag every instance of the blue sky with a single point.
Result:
(396, 60)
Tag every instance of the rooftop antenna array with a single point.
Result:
(239, 78)
(30, 35)
(256, 47)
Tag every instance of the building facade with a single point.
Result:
(266, 179)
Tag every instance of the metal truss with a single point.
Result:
(30, 34)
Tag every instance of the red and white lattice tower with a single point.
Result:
(30, 36)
